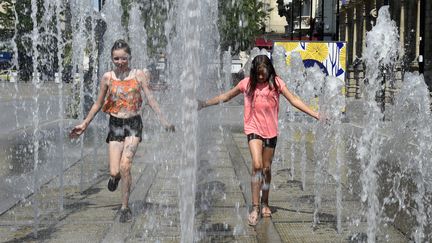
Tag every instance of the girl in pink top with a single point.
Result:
(261, 107)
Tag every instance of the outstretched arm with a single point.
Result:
(298, 103)
(220, 98)
(79, 129)
(144, 78)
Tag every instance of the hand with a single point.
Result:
(77, 131)
(170, 128)
(201, 104)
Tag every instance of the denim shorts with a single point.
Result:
(267, 142)
(120, 128)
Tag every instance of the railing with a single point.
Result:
(356, 80)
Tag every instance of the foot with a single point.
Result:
(125, 215)
(113, 183)
(253, 217)
(266, 211)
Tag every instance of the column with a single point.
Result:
(402, 26)
(349, 79)
(364, 26)
(354, 46)
(427, 42)
(346, 27)
(417, 52)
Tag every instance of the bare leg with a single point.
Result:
(267, 161)
(255, 148)
(115, 154)
(129, 150)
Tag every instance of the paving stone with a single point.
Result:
(300, 232)
(221, 208)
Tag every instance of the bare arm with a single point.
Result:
(144, 78)
(100, 99)
(79, 129)
(220, 98)
(298, 103)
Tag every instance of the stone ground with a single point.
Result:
(88, 212)
(222, 200)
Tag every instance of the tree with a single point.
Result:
(289, 9)
(22, 40)
(284, 9)
(240, 21)
(7, 19)
(155, 14)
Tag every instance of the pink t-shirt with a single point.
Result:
(261, 113)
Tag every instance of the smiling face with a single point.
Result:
(120, 58)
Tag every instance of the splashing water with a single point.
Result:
(59, 8)
(413, 99)
(282, 70)
(193, 58)
(253, 53)
(378, 55)
(36, 129)
(226, 68)
(336, 105)
(112, 14)
(137, 37)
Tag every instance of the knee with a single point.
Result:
(127, 156)
(256, 175)
(125, 166)
(267, 171)
(257, 166)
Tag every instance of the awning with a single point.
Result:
(261, 42)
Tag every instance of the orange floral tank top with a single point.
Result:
(123, 95)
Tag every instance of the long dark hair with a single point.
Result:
(121, 44)
(261, 63)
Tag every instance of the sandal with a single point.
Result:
(266, 211)
(253, 217)
(125, 215)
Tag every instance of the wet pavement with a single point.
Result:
(89, 212)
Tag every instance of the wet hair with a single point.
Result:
(261, 63)
(121, 44)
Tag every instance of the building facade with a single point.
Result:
(275, 23)
(349, 21)
(426, 46)
(414, 21)
(299, 20)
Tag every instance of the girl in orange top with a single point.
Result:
(261, 107)
(120, 97)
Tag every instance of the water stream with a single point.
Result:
(393, 184)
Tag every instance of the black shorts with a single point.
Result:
(120, 128)
(267, 142)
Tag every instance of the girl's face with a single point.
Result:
(120, 58)
(262, 74)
